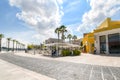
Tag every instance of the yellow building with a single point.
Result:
(107, 37)
(88, 43)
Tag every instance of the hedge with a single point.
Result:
(76, 52)
(67, 52)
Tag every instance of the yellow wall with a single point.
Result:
(88, 42)
(115, 24)
(104, 24)
(108, 25)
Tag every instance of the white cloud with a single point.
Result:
(42, 15)
(72, 28)
(60, 1)
(100, 9)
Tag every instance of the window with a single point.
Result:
(114, 43)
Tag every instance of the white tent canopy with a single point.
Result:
(62, 45)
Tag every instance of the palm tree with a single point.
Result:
(57, 31)
(74, 37)
(8, 39)
(69, 37)
(14, 44)
(1, 36)
(63, 30)
(64, 37)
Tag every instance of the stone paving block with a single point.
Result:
(96, 73)
(96, 76)
(97, 69)
(107, 74)
(83, 77)
(108, 77)
(106, 70)
(64, 70)
(115, 71)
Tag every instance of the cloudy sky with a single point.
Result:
(33, 21)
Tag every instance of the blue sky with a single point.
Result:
(73, 11)
(33, 21)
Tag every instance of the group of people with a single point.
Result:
(54, 52)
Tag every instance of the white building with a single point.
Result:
(52, 40)
(107, 37)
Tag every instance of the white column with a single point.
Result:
(107, 45)
(97, 44)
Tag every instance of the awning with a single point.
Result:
(62, 45)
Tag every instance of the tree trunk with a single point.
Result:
(8, 45)
(13, 45)
(69, 40)
(62, 37)
(0, 45)
(58, 37)
(16, 46)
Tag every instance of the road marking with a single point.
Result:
(102, 74)
(112, 74)
(91, 72)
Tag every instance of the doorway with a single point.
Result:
(102, 44)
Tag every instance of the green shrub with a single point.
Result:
(76, 52)
(65, 52)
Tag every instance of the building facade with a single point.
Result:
(52, 40)
(88, 43)
(107, 37)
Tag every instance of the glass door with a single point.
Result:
(102, 44)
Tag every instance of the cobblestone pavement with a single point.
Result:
(64, 70)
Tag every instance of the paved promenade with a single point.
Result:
(102, 60)
(61, 70)
(10, 71)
